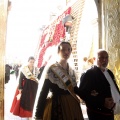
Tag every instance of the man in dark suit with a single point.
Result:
(7, 73)
(99, 90)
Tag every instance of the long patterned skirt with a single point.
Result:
(63, 107)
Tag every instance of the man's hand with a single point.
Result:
(109, 103)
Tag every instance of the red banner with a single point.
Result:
(51, 36)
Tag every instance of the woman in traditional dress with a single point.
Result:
(25, 94)
(60, 81)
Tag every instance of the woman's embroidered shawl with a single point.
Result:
(54, 79)
(28, 74)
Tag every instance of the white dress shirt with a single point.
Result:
(114, 91)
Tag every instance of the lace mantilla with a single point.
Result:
(54, 79)
(28, 74)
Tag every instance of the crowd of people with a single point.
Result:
(52, 92)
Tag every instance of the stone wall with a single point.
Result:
(111, 21)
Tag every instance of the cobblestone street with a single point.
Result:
(9, 94)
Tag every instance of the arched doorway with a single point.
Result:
(3, 24)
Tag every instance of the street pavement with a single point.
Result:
(9, 91)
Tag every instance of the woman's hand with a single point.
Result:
(18, 96)
(33, 78)
(20, 91)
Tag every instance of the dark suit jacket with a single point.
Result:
(91, 82)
